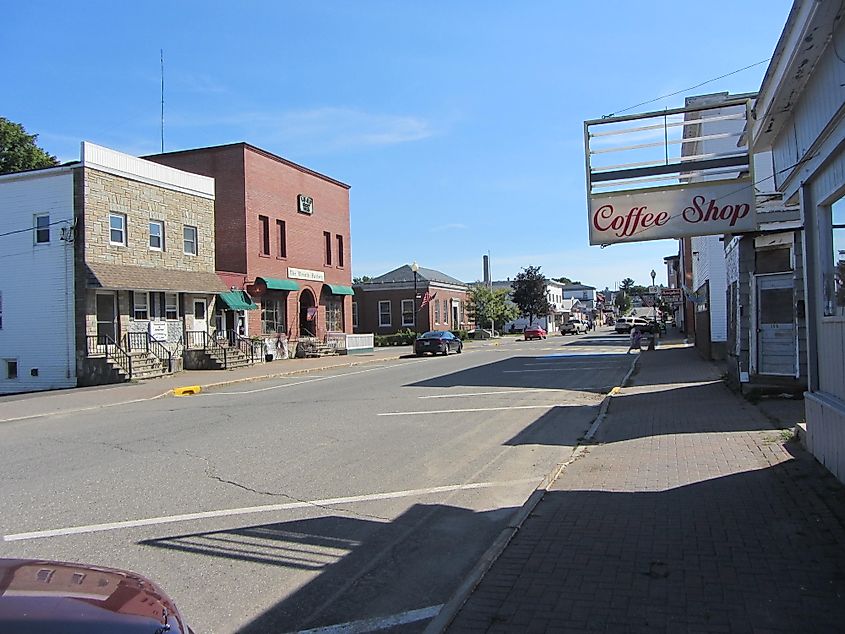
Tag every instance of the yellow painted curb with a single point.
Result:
(187, 390)
(614, 391)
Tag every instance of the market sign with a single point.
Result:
(699, 209)
(672, 295)
(671, 174)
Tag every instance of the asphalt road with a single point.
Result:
(366, 493)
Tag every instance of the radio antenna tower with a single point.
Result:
(162, 100)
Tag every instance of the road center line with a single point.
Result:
(477, 409)
(379, 623)
(248, 510)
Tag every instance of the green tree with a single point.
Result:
(565, 280)
(529, 293)
(485, 304)
(18, 151)
(622, 303)
(361, 280)
(626, 285)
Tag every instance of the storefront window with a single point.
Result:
(272, 317)
(334, 315)
(834, 287)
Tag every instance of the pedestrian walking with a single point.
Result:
(636, 340)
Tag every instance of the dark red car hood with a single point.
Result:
(66, 598)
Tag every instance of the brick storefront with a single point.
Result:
(268, 235)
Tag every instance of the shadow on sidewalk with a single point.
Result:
(757, 550)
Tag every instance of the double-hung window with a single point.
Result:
(141, 305)
(264, 237)
(117, 229)
(354, 315)
(42, 229)
(171, 306)
(327, 238)
(835, 274)
(436, 311)
(384, 313)
(407, 312)
(189, 234)
(283, 238)
(156, 235)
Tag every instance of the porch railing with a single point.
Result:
(105, 346)
(199, 339)
(143, 341)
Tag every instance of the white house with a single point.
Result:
(37, 326)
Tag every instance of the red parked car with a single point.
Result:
(38, 596)
(534, 332)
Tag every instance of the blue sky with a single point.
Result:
(459, 125)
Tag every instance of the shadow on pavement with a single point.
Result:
(365, 567)
(587, 372)
(753, 551)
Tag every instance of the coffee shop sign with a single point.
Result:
(636, 216)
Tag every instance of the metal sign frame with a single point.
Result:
(698, 183)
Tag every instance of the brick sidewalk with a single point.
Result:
(690, 514)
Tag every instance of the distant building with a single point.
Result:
(386, 304)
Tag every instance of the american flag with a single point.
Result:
(426, 299)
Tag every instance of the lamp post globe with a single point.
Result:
(415, 267)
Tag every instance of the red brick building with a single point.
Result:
(282, 235)
(385, 304)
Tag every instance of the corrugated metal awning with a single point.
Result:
(142, 278)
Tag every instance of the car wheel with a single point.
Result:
(446, 350)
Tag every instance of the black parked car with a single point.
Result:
(437, 341)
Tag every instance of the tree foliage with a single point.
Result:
(485, 304)
(626, 285)
(565, 280)
(18, 150)
(363, 279)
(529, 293)
(622, 303)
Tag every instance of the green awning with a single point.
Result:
(275, 284)
(237, 300)
(338, 289)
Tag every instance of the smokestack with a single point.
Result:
(486, 267)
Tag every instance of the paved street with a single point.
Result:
(312, 500)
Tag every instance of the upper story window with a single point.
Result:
(42, 229)
(264, 237)
(156, 235)
(834, 275)
(327, 237)
(189, 234)
(281, 231)
(117, 229)
(384, 313)
(339, 250)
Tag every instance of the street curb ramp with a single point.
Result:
(450, 610)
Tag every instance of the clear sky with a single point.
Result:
(458, 124)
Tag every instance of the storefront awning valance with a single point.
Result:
(275, 284)
(338, 289)
(237, 300)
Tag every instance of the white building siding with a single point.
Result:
(708, 264)
(37, 286)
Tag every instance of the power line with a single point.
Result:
(58, 222)
(672, 94)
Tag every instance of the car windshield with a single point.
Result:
(434, 334)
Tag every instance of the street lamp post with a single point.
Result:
(415, 267)
(654, 312)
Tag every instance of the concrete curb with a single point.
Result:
(451, 608)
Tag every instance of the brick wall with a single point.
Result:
(252, 183)
(368, 309)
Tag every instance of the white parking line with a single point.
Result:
(592, 367)
(249, 510)
(539, 389)
(380, 623)
(477, 409)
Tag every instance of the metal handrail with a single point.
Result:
(247, 346)
(162, 352)
(201, 339)
(111, 350)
